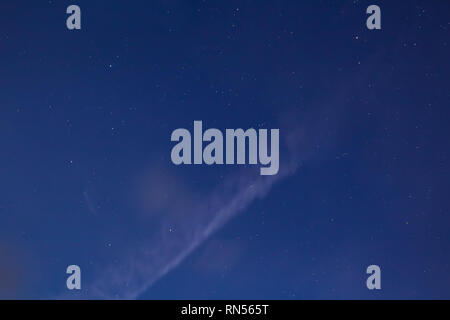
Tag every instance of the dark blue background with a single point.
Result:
(85, 170)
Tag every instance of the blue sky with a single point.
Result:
(86, 175)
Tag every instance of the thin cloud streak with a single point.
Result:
(167, 250)
(179, 233)
(301, 140)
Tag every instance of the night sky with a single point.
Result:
(86, 176)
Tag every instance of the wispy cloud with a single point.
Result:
(179, 235)
(184, 225)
